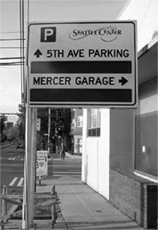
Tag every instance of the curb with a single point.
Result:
(73, 156)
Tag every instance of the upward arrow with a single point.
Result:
(38, 53)
(123, 81)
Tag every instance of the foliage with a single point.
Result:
(3, 118)
(60, 126)
(12, 133)
(21, 123)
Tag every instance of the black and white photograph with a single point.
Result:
(78, 114)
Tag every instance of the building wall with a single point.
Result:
(122, 139)
(109, 160)
(145, 12)
(76, 130)
(134, 196)
(146, 131)
(128, 143)
(134, 166)
(95, 159)
(77, 144)
(113, 149)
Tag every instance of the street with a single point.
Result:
(12, 169)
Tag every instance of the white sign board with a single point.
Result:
(83, 64)
(42, 163)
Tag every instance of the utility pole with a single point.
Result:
(26, 190)
(32, 163)
(29, 169)
(49, 126)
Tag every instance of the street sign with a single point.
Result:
(82, 64)
(42, 163)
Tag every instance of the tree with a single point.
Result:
(3, 118)
(21, 123)
(60, 126)
(12, 133)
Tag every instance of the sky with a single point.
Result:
(10, 83)
(62, 10)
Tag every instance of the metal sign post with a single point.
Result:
(30, 151)
(29, 171)
(29, 165)
(32, 164)
(49, 129)
(26, 189)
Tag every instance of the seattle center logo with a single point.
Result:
(106, 34)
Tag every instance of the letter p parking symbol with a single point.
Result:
(48, 34)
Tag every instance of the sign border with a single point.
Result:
(88, 104)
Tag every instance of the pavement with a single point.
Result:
(81, 208)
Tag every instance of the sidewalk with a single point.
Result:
(82, 208)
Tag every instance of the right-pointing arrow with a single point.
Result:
(123, 81)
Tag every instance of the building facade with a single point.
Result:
(120, 151)
(76, 130)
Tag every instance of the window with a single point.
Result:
(79, 121)
(94, 122)
(146, 129)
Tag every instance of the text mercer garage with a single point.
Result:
(89, 80)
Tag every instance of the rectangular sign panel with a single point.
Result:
(83, 64)
(42, 163)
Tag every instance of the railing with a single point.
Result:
(16, 200)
